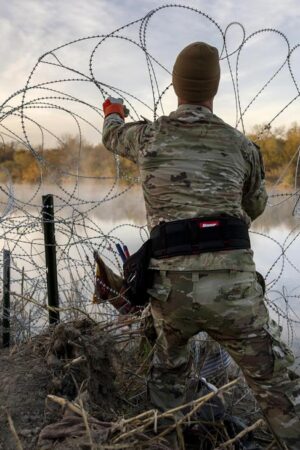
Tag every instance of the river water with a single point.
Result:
(95, 216)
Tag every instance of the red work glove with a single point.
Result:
(115, 106)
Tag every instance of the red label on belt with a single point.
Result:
(209, 224)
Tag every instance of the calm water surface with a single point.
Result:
(81, 225)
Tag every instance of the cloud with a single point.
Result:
(31, 28)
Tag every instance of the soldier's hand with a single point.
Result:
(114, 105)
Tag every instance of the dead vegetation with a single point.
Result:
(83, 386)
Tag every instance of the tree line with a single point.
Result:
(62, 163)
(279, 148)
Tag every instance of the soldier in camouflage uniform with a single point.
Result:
(192, 164)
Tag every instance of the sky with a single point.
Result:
(30, 29)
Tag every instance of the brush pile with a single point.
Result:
(82, 385)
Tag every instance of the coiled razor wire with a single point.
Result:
(90, 210)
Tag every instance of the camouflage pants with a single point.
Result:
(229, 306)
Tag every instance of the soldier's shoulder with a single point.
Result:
(247, 145)
(163, 119)
(237, 134)
(141, 128)
(162, 124)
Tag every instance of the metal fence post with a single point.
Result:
(6, 298)
(50, 255)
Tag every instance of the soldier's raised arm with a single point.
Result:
(119, 137)
(254, 195)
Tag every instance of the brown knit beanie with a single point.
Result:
(196, 72)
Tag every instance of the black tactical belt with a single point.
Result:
(199, 235)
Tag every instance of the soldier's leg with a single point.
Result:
(238, 319)
(171, 307)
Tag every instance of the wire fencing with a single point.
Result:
(68, 83)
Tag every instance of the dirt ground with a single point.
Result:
(24, 381)
(33, 370)
(98, 369)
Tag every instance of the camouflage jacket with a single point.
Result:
(193, 164)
